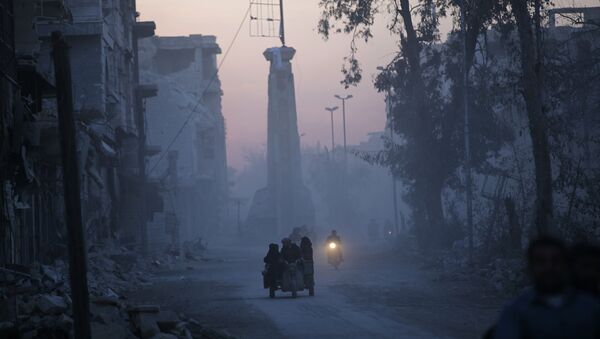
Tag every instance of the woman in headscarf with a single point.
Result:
(272, 264)
(306, 248)
(308, 267)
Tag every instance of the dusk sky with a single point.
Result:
(316, 67)
(244, 75)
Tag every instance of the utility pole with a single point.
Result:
(344, 123)
(331, 110)
(238, 205)
(468, 178)
(68, 141)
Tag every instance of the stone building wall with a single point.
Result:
(184, 70)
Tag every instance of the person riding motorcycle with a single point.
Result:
(335, 238)
(308, 264)
(290, 252)
(273, 269)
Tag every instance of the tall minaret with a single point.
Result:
(285, 203)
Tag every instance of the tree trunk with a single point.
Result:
(421, 205)
(514, 229)
(532, 93)
(435, 213)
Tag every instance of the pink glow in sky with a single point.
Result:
(316, 66)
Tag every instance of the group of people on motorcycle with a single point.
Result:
(291, 254)
(277, 260)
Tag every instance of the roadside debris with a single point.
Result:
(505, 275)
(35, 302)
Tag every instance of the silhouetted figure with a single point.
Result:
(551, 309)
(272, 266)
(296, 235)
(290, 252)
(306, 249)
(308, 264)
(585, 267)
(334, 237)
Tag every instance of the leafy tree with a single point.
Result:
(424, 86)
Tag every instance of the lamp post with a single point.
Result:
(391, 124)
(344, 121)
(331, 110)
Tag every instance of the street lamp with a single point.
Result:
(331, 110)
(391, 124)
(344, 121)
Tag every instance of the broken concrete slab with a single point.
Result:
(51, 304)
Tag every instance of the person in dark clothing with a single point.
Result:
(306, 248)
(334, 237)
(585, 267)
(308, 264)
(290, 252)
(272, 266)
(273, 254)
(551, 309)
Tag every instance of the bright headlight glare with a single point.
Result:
(332, 245)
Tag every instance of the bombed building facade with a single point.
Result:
(119, 200)
(193, 164)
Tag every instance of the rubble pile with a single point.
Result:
(35, 302)
(505, 275)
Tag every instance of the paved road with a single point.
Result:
(374, 295)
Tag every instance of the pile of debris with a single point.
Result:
(507, 275)
(35, 302)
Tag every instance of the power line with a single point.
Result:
(187, 120)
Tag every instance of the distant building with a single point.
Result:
(189, 93)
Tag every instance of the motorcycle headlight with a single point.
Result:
(332, 245)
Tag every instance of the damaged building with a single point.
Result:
(193, 167)
(108, 103)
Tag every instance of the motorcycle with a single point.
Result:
(334, 254)
(295, 278)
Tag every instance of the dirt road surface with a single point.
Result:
(375, 294)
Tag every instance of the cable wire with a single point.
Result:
(189, 117)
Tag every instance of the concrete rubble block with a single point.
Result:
(48, 273)
(106, 301)
(126, 261)
(144, 309)
(143, 319)
(167, 321)
(105, 314)
(164, 336)
(110, 331)
(25, 287)
(147, 325)
(51, 304)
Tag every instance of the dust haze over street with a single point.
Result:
(376, 293)
(221, 169)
